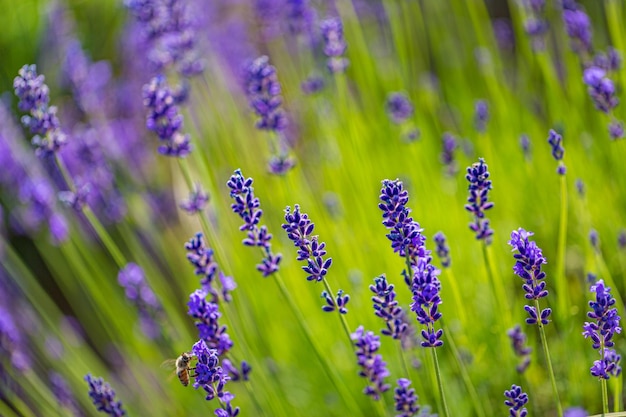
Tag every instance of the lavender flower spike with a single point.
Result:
(386, 307)
(481, 115)
(207, 315)
(601, 89)
(299, 229)
(399, 107)
(443, 250)
(516, 400)
(602, 329)
(405, 399)
(372, 365)
(334, 44)
(339, 303)
(426, 300)
(247, 206)
(518, 340)
(139, 293)
(528, 267)
(34, 96)
(103, 397)
(479, 186)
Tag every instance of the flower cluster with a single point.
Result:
(386, 307)
(300, 17)
(426, 300)
(236, 374)
(518, 341)
(372, 365)
(212, 378)
(334, 44)
(42, 121)
(139, 293)
(63, 393)
(299, 228)
(609, 61)
(443, 251)
(602, 329)
(449, 145)
(197, 201)
(405, 234)
(536, 26)
(398, 107)
(601, 89)
(524, 143)
(405, 399)
(164, 118)
(558, 151)
(247, 206)
(479, 186)
(207, 315)
(516, 400)
(527, 266)
(578, 27)
(202, 258)
(481, 115)
(264, 94)
(103, 397)
(339, 303)
(12, 345)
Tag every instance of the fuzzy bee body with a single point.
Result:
(182, 368)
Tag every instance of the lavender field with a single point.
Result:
(312, 208)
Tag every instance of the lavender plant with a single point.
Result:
(103, 397)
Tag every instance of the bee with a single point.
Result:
(183, 370)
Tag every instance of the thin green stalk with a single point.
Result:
(342, 317)
(544, 343)
(504, 313)
(563, 299)
(605, 395)
(442, 397)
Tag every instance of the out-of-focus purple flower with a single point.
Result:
(299, 228)
(212, 378)
(264, 94)
(578, 29)
(524, 142)
(528, 261)
(164, 119)
(575, 412)
(197, 201)
(518, 341)
(207, 315)
(42, 121)
(405, 234)
(536, 29)
(481, 115)
(399, 107)
(373, 368)
(280, 164)
(447, 154)
(11, 343)
(601, 89)
(558, 151)
(39, 199)
(594, 239)
(386, 307)
(139, 293)
(580, 187)
(247, 206)
(103, 397)
(516, 399)
(300, 17)
(201, 256)
(504, 34)
(312, 85)
(61, 390)
(616, 129)
(621, 239)
(339, 303)
(334, 44)
(609, 61)
(479, 186)
(602, 329)
(241, 374)
(443, 251)
(405, 399)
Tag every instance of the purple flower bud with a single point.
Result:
(481, 115)
(207, 315)
(398, 107)
(578, 28)
(338, 304)
(373, 368)
(443, 251)
(312, 85)
(601, 89)
(616, 130)
(518, 341)
(524, 142)
(334, 44)
(197, 201)
(479, 186)
(516, 399)
(405, 399)
(264, 94)
(575, 412)
(103, 397)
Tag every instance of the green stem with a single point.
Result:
(504, 315)
(442, 396)
(342, 317)
(544, 343)
(605, 396)
(561, 281)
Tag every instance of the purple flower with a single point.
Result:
(405, 234)
(61, 390)
(312, 85)
(601, 89)
(373, 368)
(621, 239)
(164, 119)
(594, 239)
(38, 198)
(247, 206)
(578, 28)
(386, 307)
(299, 229)
(575, 412)
(443, 251)
(338, 303)
(243, 373)
(398, 107)
(42, 121)
(558, 151)
(405, 399)
(504, 34)
(425, 287)
(139, 293)
(611, 61)
(264, 94)
(616, 129)
(518, 341)
(602, 329)
(334, 44)
(103, 397)
(524, 142)
(202, 258)
(516, 399)
(280, 164)
(11, 342)
(447, 154)
(527, 266)
(197, 201)
(300, 17)
(580, 187)
(207, 315)
(481, 115)
(479, 186)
